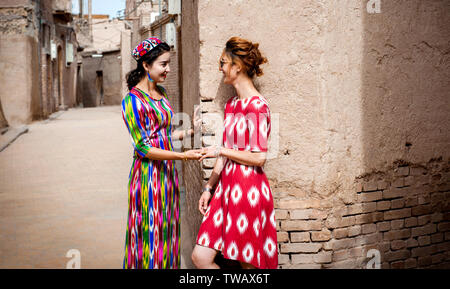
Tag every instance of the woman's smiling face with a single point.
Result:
(160, 67)
(230, 71)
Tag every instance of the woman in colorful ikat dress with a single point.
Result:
(240, 219)
(152, 235)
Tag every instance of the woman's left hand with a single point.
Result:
(209, 152)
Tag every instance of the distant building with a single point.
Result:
(100, 62)
(38, 48)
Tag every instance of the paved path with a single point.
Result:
(63, 186)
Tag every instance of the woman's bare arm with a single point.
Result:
(243, 157)
(160, 154)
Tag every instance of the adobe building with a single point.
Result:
(100, 61)
(359, 153)
(38, 49)
(359, 157)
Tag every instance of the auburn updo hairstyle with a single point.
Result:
(134, 76)
(247, 54)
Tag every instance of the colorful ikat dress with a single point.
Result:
(152, 235)
(240, 219)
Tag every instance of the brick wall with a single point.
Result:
(358, 115)
(403, 212)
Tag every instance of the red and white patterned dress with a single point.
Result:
(240, 219)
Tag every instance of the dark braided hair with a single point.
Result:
(134, 76)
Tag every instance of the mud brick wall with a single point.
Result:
(355, 92)
(403, 212)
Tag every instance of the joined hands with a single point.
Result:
(203, 153)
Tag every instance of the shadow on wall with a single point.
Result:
(3, 122)
(224, 93)
(405, 83)
(190, 218)
(405, 127)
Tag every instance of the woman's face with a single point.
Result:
(160, 67)
(230, 71)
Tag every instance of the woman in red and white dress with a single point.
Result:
(240, 218)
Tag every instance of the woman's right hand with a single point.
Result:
(203, 202)
(193, 154)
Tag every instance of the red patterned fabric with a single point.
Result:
(240, 219)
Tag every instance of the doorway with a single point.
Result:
(59, 100)
(99, 87)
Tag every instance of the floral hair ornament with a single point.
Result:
(144, 47)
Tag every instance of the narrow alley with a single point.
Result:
(63, 186)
